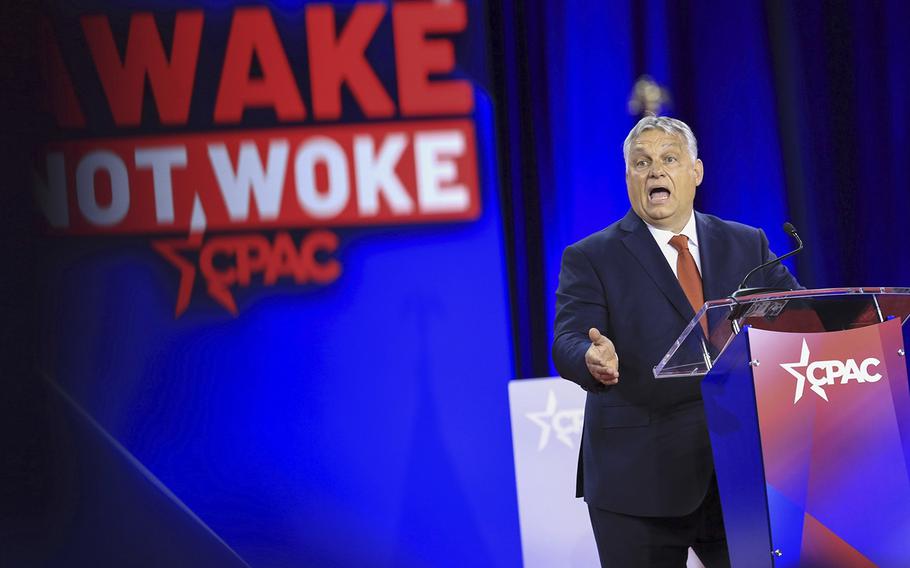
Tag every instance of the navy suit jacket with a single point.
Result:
(645, 447)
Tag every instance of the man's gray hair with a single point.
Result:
(668, 125)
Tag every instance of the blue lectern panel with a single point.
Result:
(733, 424)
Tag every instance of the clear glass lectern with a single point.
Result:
(800, 311)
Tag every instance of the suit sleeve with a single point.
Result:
(777, 276)
(580, 305)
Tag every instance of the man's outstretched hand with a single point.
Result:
(601, 358)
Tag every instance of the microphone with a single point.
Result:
(742, 291)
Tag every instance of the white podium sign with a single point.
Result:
(547, 416)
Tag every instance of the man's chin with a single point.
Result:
(657, 215)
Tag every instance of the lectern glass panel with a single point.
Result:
(799, 311)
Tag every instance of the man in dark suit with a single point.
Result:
(625, 294)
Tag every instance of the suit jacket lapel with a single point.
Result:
(711, 249)
(645, 250)
(717, 279)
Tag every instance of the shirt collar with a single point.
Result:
(663, 237)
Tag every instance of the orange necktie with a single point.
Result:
(688, 275)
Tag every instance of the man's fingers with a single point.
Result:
(604, 374)
(594, 358)
(607, 368)
(604, 356)
(601, 359)
(601, 342)
(606, 379)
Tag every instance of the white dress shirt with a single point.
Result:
(663, 241)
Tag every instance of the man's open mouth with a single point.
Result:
(658, 195)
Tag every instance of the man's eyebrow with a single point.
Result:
(664, 148)
(639, 145)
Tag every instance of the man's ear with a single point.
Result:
(699, 172)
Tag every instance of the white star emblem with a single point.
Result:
(563, 423)
(800, 378)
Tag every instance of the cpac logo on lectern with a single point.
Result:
(822, 373)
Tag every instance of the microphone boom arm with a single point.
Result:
(741, 291)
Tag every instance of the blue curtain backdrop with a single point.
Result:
(319, 447)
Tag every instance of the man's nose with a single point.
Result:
(657, 170)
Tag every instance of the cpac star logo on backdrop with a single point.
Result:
(845, 370)
(562, 423)
(258, 200)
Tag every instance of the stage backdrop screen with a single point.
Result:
(273, 278)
